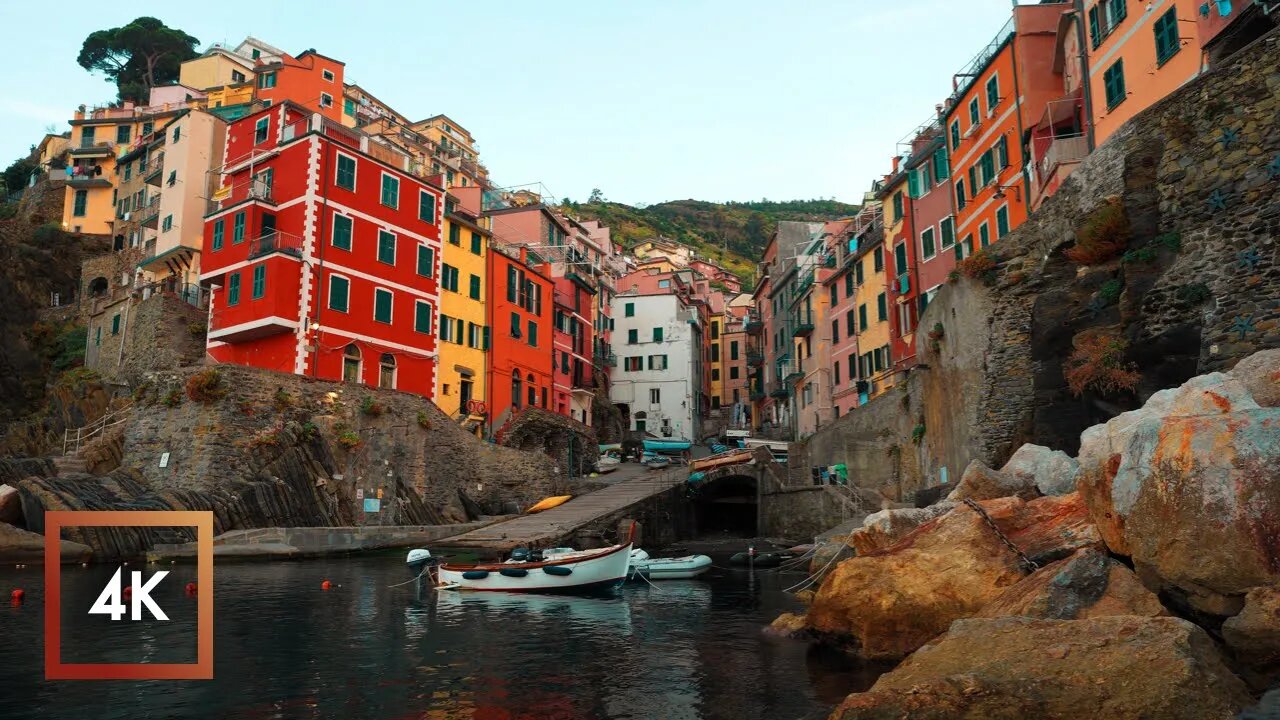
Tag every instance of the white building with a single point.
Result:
(658, 342)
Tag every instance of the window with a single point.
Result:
(941, 166)
(1002, 222)
(858, 273)
(849, 327)
(237, 228)
(233, 289)
(266, 80)
(715, 353)
(128, 171)
(657, 362)
(733, 350)
(80, 206)
(882, 307)
(879, 257)
(327, 75)
(422, 314)
(476, 243)
(348, 107)
(1113, 83)
(655, 395)
(664, 283)
(848, 284)
(993, 94)
(351, 364)
(1167, 42)
(390, 191)
(715, 329)
(426, 207)
(919, 181)
(733, 371)
(835, 331)
(475, 287)
(984, 234)
(382, 305)
(115, 324)
(342, 231)
(629, 310)
(166, 224)
(219, 228)
(387, 371)
(259, 281)
(633, 364)
(897, 206)
(177, 133)
(862, 317)
(260, 130)
(657, 334)
(122, 134)
(386, 247)
(449, 277)
(975, 115)
(900, 259)
(955, 134)
(339, 289)
(346, 177)
(715, 375)
(988, 162)
(960, 199)
(948, 232)
(237, 76)
(633, 336)
(533, 334)
(927, 244)
(904, 318)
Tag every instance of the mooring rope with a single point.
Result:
(809, 580)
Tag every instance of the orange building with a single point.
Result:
(997, 97)
(1138, 53)
(519, 313)
(311, 80)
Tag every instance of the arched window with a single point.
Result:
(533, 391)
(387, 371)
(515, 389)
(351, 364)
(98, 286)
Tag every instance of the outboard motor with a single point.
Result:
(418, 559)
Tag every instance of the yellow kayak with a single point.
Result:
(549, 503)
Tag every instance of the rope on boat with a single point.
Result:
(416, 579)
(642, 577)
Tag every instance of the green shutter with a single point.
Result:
(386, 247)
(630, 310)
(858, 273)
(475, 287)
(533, 334)
(941, 169)
(633, 337)
(984, 234)
(1167, 41)
(237, 228)
(657, 334)
(882, 307)
(382, 305)
(897, 206)
(259, 281)
(426, 261)
(339, 289)
(390, 191)
(455, 234)
(926, 243)
(233, 289)
(1113, 81)
(219, 228)
(948, 232)
(913, 185)
(973, 178)
(476, 244)
(955, 134)
(426, 207)
(993, 92)
(342, 232)
(1002, 222)
(422, 317)
(862, 317)
(346, 172)
(900, 258)
(1095, 26)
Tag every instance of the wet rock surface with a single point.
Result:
(980, 482)
(1087, 584)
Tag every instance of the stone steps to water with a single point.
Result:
(67, 464)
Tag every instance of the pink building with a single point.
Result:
(842, 285)
(932, 216)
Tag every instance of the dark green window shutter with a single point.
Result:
(475, 242)
(926, 243)
(512, 281)
(862, 317)
(630, 310)
(259, 281)
(913, 187)
(900, 258)
(390, 191)
(882, 306)
(426, 261)
(382, 305)
(237, 228)
(857, 273)
(455, 234)
(219, 228)
(533, 334)
(941, 168)
(633, 336)
(848, 282)
(346, 173)
(475, 287)
(422, 317)
(339, 289)
(386, 247)
(1095, 26)
(426, 207)
(1002, 222)
(657, 334)
(233, 289)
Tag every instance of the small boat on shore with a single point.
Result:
(562, 571)
(667, 445)
(679, 568)
(607, 464)
(656, 462)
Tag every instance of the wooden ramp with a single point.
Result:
(551, 527)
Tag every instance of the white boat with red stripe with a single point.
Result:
(558, 571)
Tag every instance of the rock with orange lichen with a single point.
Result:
(1087, 584)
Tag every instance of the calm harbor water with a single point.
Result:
(286, 649)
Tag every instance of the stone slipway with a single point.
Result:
(558, 525)
(301, 542)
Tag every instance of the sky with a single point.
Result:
(648, 101)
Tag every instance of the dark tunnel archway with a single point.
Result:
(728, 504)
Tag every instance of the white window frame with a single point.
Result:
(422, 192)
(329, 295)
(263, 122)
(326, 100)
(942, 236)
(432, 308)
(904, 318)
(377, 289)
(395, 242)
(969, 111)
(932, 230)
(386, 175)
(333, 232)
(355, 177)
(991, 109)
(1007, 220)
(327, 75)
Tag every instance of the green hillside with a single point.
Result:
(733, 234)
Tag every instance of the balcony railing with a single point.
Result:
(803, 328)
(1061, 150)
(755, 359)
(275, 242)
(149, 215)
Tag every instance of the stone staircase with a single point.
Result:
(68, 464)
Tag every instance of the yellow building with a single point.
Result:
(871, 307)
(456, 157)
(98, 137)
(228, 95)
(217, 68)
(463, 335)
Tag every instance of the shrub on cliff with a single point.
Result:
(979, 266)
(1098, 363)
(206, 386)
(1103, 236)
(371, 407)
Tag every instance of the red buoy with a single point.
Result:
(326, 585)
(16, 596)
(191, 588)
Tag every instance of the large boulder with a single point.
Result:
(1087, 584)
(10, 505)
(980, 482)
(886, 527)
(1254, 634)
(21, 546)
(1053, 471)
(1198, 502)
(1045, 529)
(1013, 668)
(1260, 375)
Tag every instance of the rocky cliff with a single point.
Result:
(263, 449)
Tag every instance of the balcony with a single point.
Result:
(270, 316)
(803, 329)
(756, 394)
(754, 326)
(755, 358)
(92, 148)
(149, 215)
(780, 391)
(275, 242)
(584, 381)
(154, 173)
(793, 376)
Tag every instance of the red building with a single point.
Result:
(902, 275)
(572, 344)
(932, 216)
(322, 260)
(519, 311)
